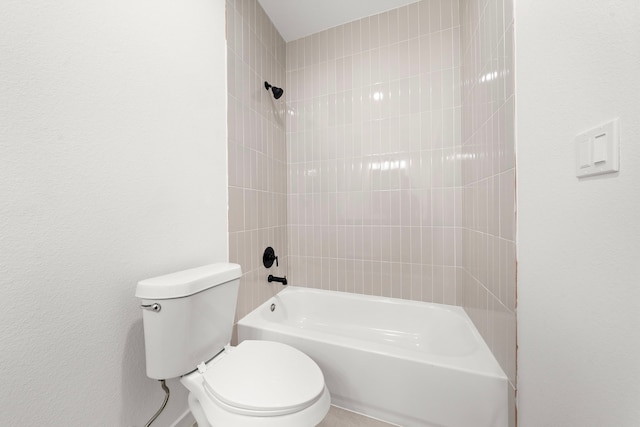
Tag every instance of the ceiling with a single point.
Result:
(295, 19)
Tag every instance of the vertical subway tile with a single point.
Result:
(403, 23)
(413, 11)
(374, 32)
(438, 284)
(434, 15)
(446, 14)
(455, 13)
(396, 279)
(383, 29)
(414, 56)
(356, 38)
(331, 44)
(339, 47)
(403, 59)
(323, 46)
(393, 26)
(365, 34)
(348, 39)
(424, 20)
(427, 283)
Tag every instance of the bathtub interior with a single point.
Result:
(436, 333)
(410, 326)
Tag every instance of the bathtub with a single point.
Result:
(404, 362)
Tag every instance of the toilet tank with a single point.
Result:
(193, 318)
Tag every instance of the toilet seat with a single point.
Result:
(226, 394)
(264, 379)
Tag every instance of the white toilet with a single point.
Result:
(188, 321)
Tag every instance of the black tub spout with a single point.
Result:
(273, 278)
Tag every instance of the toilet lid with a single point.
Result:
(265, 378)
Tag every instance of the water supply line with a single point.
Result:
(166, 399)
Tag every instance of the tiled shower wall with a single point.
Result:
(399, 154)
(374, 155)
(256, 150)
(488, 174)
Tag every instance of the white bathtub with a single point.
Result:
(404, 362)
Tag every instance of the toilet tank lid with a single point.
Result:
(187, 282)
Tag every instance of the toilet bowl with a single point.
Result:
(258, 383)
(188, 321)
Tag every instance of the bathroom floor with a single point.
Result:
(339, 417)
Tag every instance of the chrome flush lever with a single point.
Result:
(155, 307)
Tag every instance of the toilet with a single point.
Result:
(188, 322)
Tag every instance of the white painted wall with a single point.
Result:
(578, 64)
(112, 169)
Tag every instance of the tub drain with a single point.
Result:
(273, 307)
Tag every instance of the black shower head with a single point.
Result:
(277, 92)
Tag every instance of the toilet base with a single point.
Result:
(198, 412)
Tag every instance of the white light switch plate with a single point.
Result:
(598, 150)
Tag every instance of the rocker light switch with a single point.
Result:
(598, 150)
(584, 154)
